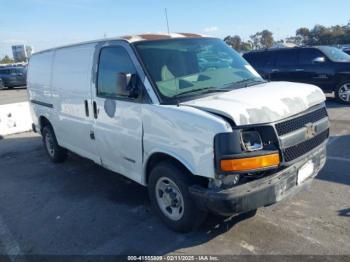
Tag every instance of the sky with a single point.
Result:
(48, 23)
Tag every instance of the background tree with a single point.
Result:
(255, 40)
(263, 39)
(318, 35)
(266, 39)
(234, 41)
(321, 35)
(304, 34)
(237, 43)
(6, 60)
(246, 46)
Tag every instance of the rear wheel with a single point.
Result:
(342, 92)
(56, 153)
(168, 190)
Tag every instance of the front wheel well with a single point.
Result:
(157, 158)
(341, 79)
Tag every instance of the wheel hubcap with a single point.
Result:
(344, 92)
(169, 198)
(49, 144)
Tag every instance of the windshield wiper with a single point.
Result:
(246, 81)
(205, 90)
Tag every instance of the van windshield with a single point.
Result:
(335, 54)
(191, 67)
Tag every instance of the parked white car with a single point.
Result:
(184, 115)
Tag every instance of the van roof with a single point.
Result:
(133, 38)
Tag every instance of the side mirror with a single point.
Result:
(319, 60)
(127, 85)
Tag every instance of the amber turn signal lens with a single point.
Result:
(251, 163)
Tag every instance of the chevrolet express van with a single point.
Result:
(184, 115)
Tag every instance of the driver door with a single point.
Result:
(117, 111)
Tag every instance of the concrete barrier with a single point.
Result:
(15, 118)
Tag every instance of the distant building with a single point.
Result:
(21, 52)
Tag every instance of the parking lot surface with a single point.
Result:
(16, 95)
(79, 208)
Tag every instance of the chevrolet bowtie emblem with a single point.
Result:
(310, 130)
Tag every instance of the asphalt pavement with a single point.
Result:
(15, 95)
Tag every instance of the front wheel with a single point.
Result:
(342, 93)
(170, 198)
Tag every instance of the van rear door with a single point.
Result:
(117, 126)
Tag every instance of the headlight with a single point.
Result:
(230, 180)
(226, 181)
(251, 141)
(246, 150)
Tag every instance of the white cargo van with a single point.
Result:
(184, 115)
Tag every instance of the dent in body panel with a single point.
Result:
(314, 97)
(264, 103)
(184, 133)
(293, 106)
(256, 115)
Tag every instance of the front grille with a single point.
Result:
(299, 122)
(296, 151)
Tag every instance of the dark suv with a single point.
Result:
(346, 50)
(324, 66)
(13, 76)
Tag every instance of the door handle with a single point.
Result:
(86, 108)
(94, 106)
(299, 70)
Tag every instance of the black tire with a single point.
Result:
(56, 153)
(192, 216)
(248, 214)
(338, 96)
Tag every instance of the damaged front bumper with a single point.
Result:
(260, 192)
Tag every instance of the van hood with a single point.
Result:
(263, 103)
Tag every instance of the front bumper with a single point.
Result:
(260, 192)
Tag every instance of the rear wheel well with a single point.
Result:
(157, 158)
(43, 121)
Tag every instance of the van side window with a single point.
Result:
(113, 60)
(306, 56)
(286, 58)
